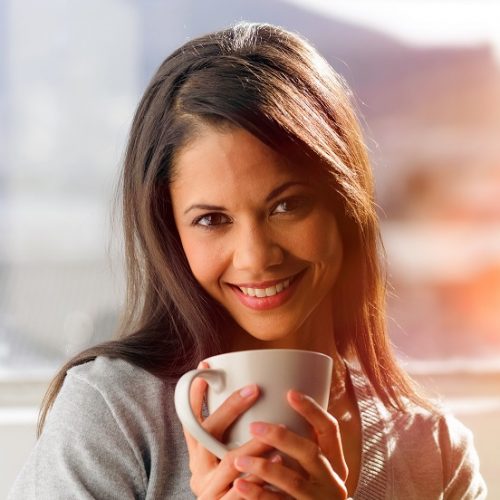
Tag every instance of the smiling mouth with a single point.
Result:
(268, 291)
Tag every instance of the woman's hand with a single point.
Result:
(212, 478)
(325, 470)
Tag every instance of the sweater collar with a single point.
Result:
(373, 477)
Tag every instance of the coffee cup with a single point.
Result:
(275, 371)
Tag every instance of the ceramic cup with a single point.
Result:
(275, 371)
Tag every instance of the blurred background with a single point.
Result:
(427, 82)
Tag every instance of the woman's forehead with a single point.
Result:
(234, 165)
(231, 153)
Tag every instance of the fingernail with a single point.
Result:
(248, 391)
(276, 459)
(259, 428)
(243, 486)
(297, 396)
(242, 461)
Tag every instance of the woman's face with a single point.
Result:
(259, 233)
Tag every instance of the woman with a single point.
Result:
(249, 221)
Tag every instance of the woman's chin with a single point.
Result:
(268, 339)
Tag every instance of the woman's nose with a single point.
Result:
(255, 250)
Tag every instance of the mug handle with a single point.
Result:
(215, 379)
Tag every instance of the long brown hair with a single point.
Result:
(274, 84)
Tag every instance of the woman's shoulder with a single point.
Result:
(438, 427)
(427, 451)
(116, 376)
(104, 370)
(433, 421)
(111, 428)
(435, 445)
(128, 392)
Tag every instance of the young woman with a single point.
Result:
(250, 223)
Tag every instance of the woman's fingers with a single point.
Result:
(225, 472)
(196, 396)
(285, 479)
(245, 489)
(325, 427)
(252, 478)
(232, 494)
(207, 470)
(236, 404)
(307, 453)
(197, 392)
(218, 422)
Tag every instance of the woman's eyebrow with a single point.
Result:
(203, 206)
(283, 187)
(273, 194)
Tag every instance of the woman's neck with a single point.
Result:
(316, 333)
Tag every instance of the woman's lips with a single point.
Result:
(284, 290)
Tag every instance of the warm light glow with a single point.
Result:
(421, 22)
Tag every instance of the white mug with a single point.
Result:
(275, 371)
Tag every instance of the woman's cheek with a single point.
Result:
(318, 239)
(205, 260)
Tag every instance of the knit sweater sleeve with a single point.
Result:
(462, 479)
(83, 452)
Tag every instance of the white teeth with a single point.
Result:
(266, 292)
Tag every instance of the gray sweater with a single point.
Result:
(113, 434)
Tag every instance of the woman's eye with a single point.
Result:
(288, 205)
(209, 220)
